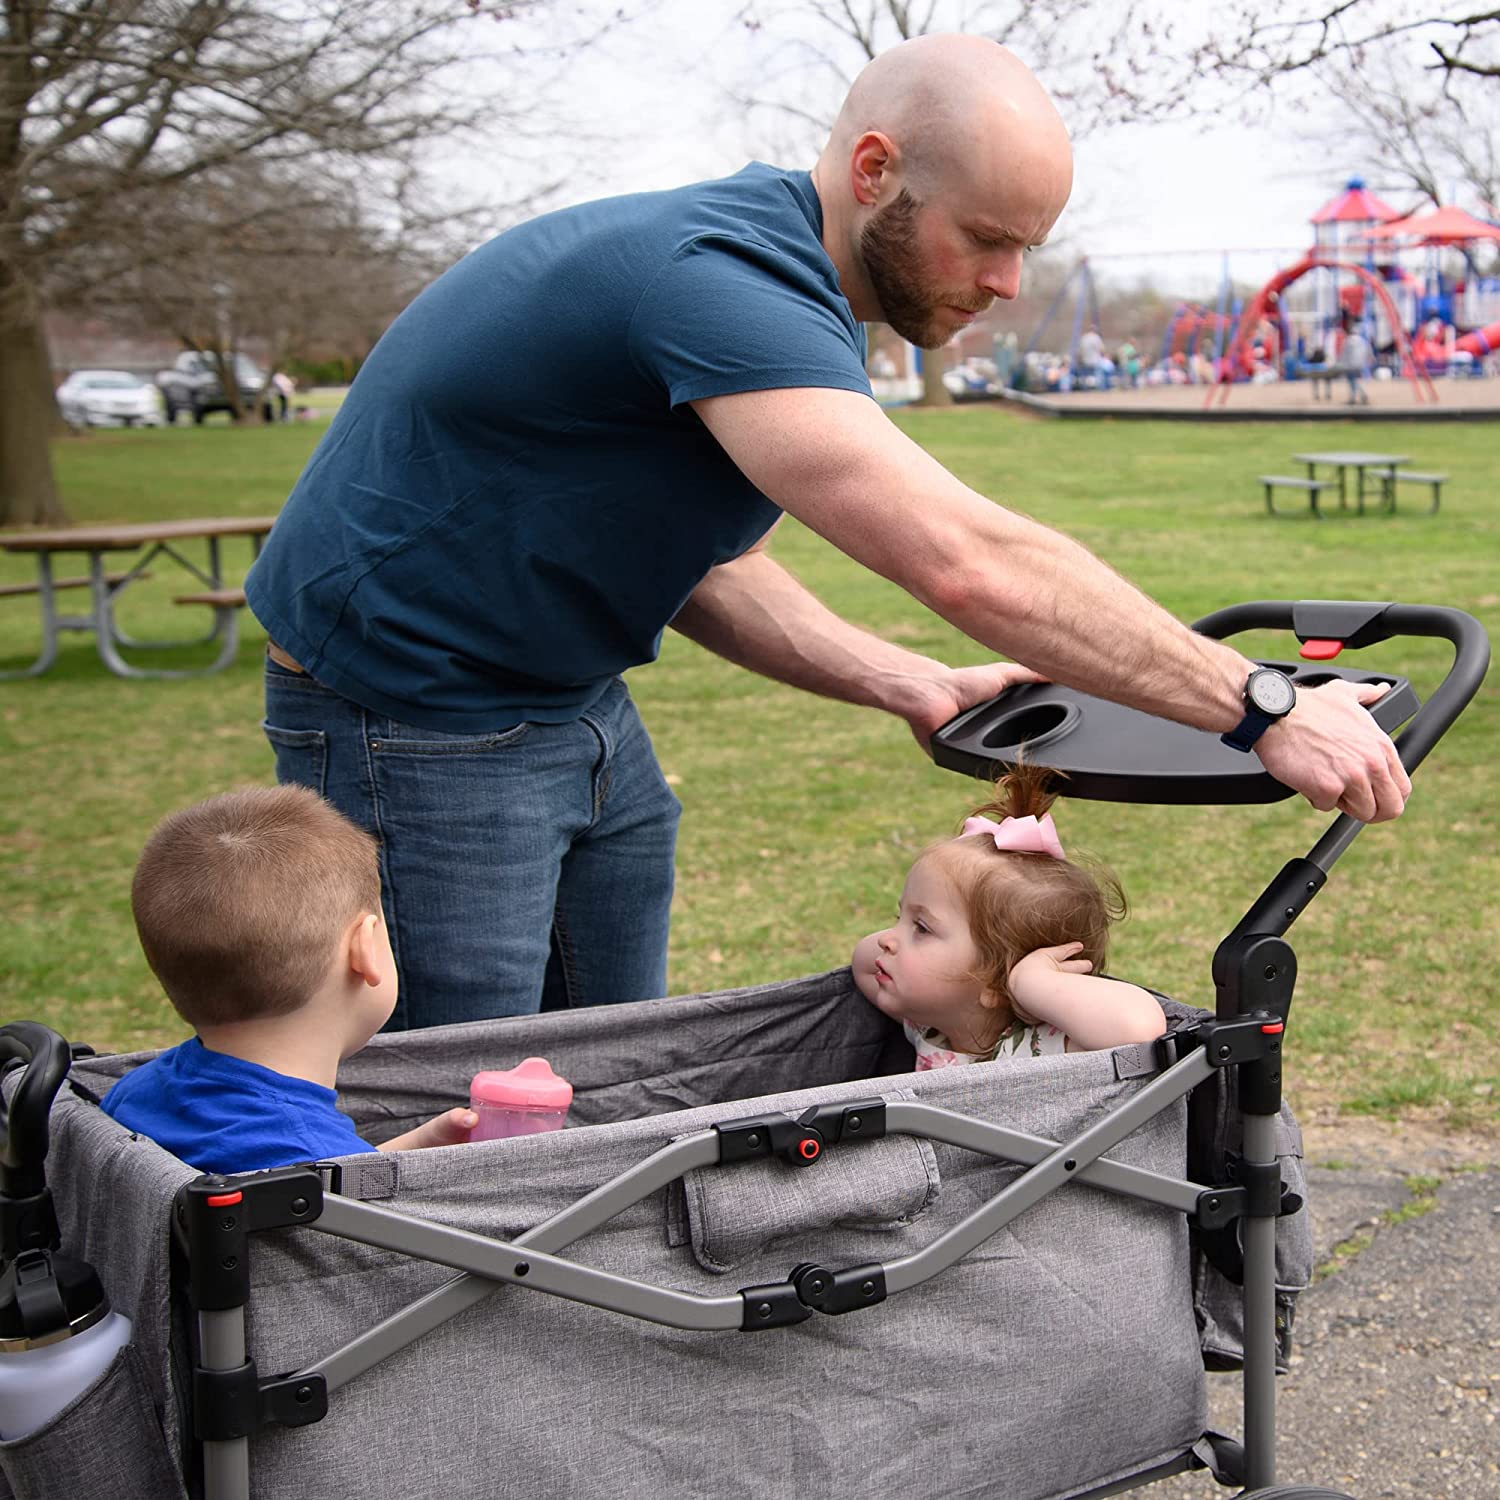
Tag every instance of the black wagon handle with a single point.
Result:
(1339, 623)
(23, 1149)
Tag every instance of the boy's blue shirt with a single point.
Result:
(517, 496)
(223, 1114)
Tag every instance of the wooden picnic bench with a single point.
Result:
(1389, 478)
(218, 598)
(226, 605)
(151, 540)
(1312, 488)
(111, 580)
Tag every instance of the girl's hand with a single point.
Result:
(1032, 979)
(1056, 986)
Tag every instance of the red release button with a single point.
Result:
(808, 1149)
(1320, 650)
(1273, 1028)
(225, 1200)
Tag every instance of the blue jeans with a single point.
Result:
(527, 867)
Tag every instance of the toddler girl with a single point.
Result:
(998, 941)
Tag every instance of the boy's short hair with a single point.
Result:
(240, 901)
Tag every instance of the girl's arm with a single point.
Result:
(1052, 985)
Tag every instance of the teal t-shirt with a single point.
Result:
(515, 498)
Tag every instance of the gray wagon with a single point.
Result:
(774, 1262)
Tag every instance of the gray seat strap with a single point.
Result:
(1140, 1059)
(363, 1179)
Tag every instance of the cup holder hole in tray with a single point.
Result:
(1036, 724)
(1317, 679)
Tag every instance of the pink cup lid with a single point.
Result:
(531, 1083)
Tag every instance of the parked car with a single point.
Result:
(192, 385)
(108, 398)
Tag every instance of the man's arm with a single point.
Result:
(835, 461)
(754, 613)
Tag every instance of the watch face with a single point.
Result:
(1271, 692)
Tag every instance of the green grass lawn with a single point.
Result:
(801, 816)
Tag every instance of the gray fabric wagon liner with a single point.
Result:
(1064, 1353)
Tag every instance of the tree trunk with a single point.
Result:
(934, 392)
(28, 414)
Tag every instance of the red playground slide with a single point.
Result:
(1481, 342)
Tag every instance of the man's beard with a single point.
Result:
(888, 248)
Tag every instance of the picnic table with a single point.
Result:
(150, 541)
(1343, 461)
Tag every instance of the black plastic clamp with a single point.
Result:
(1256, 971)
(1265, 1194)
(800, 1141)
(774, 1306)
(226, 1403)
(28, 1223)
(1259, 1194)
(213, 1218)
(839, 1291)
(1226, 1044)
(294, 1400)
(229, 1404)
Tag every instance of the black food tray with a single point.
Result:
(1111, 753)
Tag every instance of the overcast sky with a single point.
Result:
(655, 98)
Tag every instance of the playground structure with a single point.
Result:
(1369, 266)
(1255, 314)
(1357, 280)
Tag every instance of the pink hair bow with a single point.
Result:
(1019, 835)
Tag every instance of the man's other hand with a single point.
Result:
(1332, 751)
(959, 688)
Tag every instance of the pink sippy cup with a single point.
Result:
(524, 1100)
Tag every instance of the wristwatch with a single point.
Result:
(1269, 696)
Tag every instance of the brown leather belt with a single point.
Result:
(282, 659)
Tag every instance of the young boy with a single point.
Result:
(259, 912)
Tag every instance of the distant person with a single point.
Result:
(1320, 374)
(282, 388)
(259, 912)
(999, 942)
(585, 431)
(1432, 347)
(1355, 357)
(1090, 357)
(1005, 352)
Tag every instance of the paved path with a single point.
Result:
(1394, 1392)
(1390, 400)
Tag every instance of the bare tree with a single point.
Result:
(1258, 41)
(107, 108)
(255, 255)
(1435, 137)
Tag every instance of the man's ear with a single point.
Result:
(873, 164)
(362, 944)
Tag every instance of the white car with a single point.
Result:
(105, 398)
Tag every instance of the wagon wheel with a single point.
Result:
(1295, 1492)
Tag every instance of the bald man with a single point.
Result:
(586, 431)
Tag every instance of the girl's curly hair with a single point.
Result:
(1018, 902)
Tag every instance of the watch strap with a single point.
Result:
(1244, 734)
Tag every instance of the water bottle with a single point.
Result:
(525, 1100)
(58, 1332)
(53, 1356)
